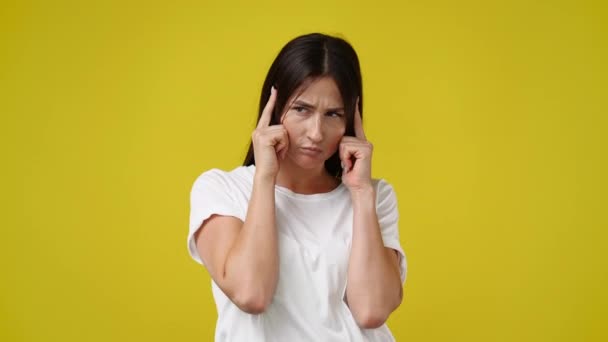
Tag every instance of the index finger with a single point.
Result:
(358, 123)
(267, 112)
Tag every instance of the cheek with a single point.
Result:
(336, 136)
(292, 133)
(295, 127)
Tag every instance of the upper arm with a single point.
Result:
(388, 219)
(211, 198)
(395, 258)
(214, 240)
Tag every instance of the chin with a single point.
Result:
(308, 163)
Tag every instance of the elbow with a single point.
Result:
(253, 303)
(251, 293)
(372, 316)
(370, 320)
(253, 306)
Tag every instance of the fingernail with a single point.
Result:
(342, 165)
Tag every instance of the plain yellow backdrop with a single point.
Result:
(489, 118)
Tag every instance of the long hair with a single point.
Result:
(304, 59)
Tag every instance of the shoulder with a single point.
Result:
(383, 188)
(386, 198)
(223, 176)
(218, 177)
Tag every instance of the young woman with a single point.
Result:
(300, 242)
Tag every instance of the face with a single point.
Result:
(315, 122)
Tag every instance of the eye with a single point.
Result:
(299, 109)
(335, 114)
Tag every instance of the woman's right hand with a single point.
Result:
(270, 143)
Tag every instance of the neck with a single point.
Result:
(305, 181)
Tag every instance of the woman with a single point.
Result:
(300, 242)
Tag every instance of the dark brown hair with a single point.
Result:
(306, 58)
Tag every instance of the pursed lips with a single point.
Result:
(312, 149)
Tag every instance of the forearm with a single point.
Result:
(374, 284)
(252, 263)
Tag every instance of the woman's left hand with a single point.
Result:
(356, 158)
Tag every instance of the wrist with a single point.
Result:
(363, 194)
(262, 178)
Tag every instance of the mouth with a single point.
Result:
(311, 150)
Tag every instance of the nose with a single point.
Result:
(315, 133)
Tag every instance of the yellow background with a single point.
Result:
(489, 118)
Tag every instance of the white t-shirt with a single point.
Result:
(314, 246)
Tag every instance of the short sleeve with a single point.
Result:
(388, 217)
(210, 195)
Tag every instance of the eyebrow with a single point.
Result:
(308, 105)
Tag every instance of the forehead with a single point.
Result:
(323, 91)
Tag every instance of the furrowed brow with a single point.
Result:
(303, 104)
(308, 105)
